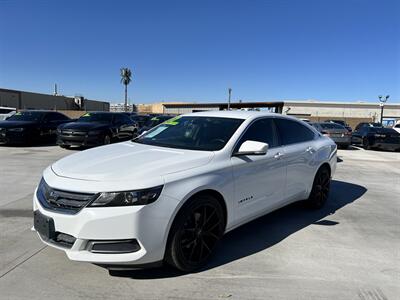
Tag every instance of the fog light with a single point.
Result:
(113, 247)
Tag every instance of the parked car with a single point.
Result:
(397, 127)
(30, 126)
(341, 122)
(141, 120)
(154, 121)
(367, 124)
(6, 112)
(96, 128)
(338, 133)
(377, 137)
(170, 194)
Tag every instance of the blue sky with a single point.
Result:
(342, 50)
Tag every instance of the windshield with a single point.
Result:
(155, 121)
(35, 116)
(97, 117)
(193, 133)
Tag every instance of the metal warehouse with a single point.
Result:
(28, 100)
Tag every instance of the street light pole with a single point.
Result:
(229, 98)
(382, 102)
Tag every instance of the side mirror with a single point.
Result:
(252, 148)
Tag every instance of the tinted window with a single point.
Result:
(5, 110)
(122, 119)
(56, 117)
(27, 116)
(331, 126)
(261, 131)
(156, 120)
(194, 133)
(292, 132)
(96, 117)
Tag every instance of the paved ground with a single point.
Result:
(349, 250)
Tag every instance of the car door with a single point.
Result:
(299, 154)
(123, 126)
(50, 123)
(259, 180)
(357, 136)
(47, 127)
(128, 127)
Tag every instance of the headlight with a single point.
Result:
(128, 198)
(16, 129)
(95, 132)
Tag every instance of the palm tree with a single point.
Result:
(126, 75)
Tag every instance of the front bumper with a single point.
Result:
(13, 137)
(386, 146)
(85, 140)
(148, 225)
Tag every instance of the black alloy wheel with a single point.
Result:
(196, 231)
(320, 190)
(107, 140)
(366, 144)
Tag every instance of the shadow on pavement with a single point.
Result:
(266, 231)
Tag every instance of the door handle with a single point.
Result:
(310, 150)
(278, 155)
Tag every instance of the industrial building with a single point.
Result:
(69, 105)
(351, 112)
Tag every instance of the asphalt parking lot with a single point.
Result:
(348, 250)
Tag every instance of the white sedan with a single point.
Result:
(170, 194)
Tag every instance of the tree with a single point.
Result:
(126, 75)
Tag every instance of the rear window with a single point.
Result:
(292, 132)
(331, 126)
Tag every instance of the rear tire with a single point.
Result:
(196, 231)
(107, 140)
(320, 190)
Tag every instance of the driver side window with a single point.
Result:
(262, 130)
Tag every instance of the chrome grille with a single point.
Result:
(62, 201)
(73, 133)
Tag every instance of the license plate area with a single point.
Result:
(44, 226)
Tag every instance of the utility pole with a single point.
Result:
(382, 102)
(55, 90)
(229, 98)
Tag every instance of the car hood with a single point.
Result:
(85, 126)
(16, 124)
(128, 161)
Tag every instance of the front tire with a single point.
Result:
(320, 190)
(366, 144)
(195, 232)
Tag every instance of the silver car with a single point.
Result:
(338, 133)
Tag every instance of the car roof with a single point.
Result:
(235, 114)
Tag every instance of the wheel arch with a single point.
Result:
(324, 165)
(204, 191)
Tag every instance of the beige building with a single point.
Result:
(351, 112)
(154, 108)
